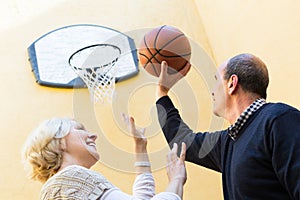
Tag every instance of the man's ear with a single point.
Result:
(232, 84)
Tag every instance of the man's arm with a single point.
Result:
(202, 148)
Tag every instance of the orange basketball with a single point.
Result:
(164, 43)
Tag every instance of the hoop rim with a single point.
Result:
(90, 46)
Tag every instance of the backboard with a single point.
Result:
(49, 54)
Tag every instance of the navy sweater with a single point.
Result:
(262, 163)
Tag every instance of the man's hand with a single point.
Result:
(167, 81)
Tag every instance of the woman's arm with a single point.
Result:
(176, 170)
(144, 185)
(142, 163)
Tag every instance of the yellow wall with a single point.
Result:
(222, 28)
(268, 29)
(24, 103)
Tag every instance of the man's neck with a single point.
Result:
(238, 106)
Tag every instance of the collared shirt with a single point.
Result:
(234, 129)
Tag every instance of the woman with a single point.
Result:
(61, 151)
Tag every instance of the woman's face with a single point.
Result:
(81, 146)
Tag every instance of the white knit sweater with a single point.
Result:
(79, 183)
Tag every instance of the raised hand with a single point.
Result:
(167, 81)
(137, 133)
(176, 167)
(176, 170)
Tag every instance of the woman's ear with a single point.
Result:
(232, 83)
(62, 144)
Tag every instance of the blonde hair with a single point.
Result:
(42, 154)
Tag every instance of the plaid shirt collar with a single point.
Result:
(234, 129)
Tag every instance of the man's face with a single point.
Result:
(219, 92)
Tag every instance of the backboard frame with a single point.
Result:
(76, 82)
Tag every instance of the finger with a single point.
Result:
(174, 152)
(183, 152)
(142, 130)
(186, 69)
(164, 68)
(140, 133)
(175, 148)
(132, 125)
(183, 71)
(125, 118)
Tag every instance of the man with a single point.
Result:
(259, 154)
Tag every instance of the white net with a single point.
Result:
(95, 66)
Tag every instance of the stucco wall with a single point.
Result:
(268, 29)
(24, 104)
(217, 29)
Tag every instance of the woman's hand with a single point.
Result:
(176, 170)
(138, 134)
(142, 163)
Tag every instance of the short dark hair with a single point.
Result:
(252, 73)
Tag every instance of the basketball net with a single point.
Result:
(95, 66)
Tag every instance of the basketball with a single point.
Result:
(164, 43)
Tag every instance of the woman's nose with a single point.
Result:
(93, 136)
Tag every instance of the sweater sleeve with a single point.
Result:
(202, 148)
(285, 150)
(143, 189)
(166, 196)
(144, 186)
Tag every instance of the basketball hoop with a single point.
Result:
(95, 66)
